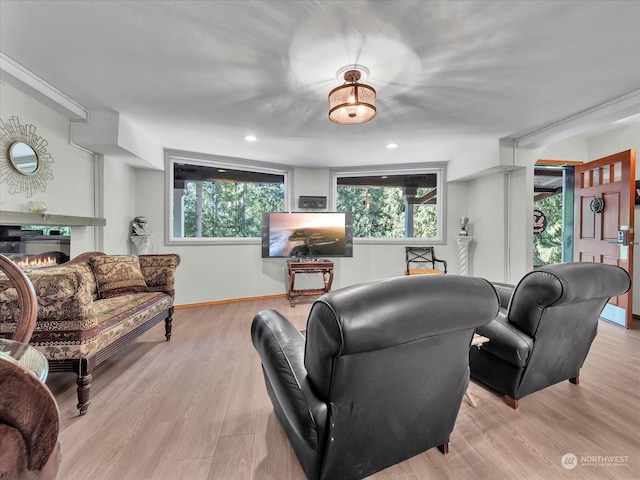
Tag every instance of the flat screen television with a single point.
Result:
(306, 234)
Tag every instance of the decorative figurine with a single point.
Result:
(463, 226)
(140, 226)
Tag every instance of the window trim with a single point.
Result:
(440, 169)
(178, 156)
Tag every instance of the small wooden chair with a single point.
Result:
(423, 258)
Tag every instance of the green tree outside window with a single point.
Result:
(548, 244)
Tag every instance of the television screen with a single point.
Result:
(304, 234)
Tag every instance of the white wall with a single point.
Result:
(314, 182)
(618, 140)
(119, 203)
(574, 149)
(70, 192)
(487, 212)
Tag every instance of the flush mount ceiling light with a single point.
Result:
(352, 102)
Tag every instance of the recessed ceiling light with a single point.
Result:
(251, 138)
(391, 146)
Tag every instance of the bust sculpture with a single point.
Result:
(140, 226)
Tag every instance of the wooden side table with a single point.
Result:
(297, 266)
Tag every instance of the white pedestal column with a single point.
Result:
(463, 253)
(142, 244)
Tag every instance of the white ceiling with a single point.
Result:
(450, 75)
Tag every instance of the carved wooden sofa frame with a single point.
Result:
(78, 329)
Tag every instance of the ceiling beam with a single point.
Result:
(27, 81)
(588, 120)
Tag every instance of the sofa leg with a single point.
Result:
(512, 402)
(575, 380)
(444, 449)
(83, 368)
(84, 392)
(167, 327)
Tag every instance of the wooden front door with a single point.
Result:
(604, 206)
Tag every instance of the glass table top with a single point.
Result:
(25, 355)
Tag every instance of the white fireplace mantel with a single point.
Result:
(28, 218)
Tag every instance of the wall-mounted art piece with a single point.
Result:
(25, 164)
(539, 222)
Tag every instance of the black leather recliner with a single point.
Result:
(381, 373)
(545, 327)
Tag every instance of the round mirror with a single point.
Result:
(23, 157)
(25, 164)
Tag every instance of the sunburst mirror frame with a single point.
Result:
(13, 132)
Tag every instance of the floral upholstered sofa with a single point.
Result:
(92, 306)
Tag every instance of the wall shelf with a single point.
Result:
(28, 218)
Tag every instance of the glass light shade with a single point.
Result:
(352, 103)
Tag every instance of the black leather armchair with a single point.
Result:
(545, 327)
(380, 375)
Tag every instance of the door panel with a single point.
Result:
(587, 219)
(611, 179)
(610, 222)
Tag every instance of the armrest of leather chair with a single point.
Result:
(505, 290)
(281, 349)
(506, 341)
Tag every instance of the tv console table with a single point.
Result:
(300, 266)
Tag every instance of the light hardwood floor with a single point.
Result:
(196, 408)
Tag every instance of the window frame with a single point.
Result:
(215, 161)
(408, 169)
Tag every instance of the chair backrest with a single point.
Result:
(391, 358)
(548, 291)
(27, 300)
(420, 258)
(559, 306)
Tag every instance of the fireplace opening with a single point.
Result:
(35, 246)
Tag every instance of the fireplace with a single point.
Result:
(34, 246)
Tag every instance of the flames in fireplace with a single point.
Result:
(35, 261)
(34, 248)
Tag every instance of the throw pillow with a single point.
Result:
(117, 275)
